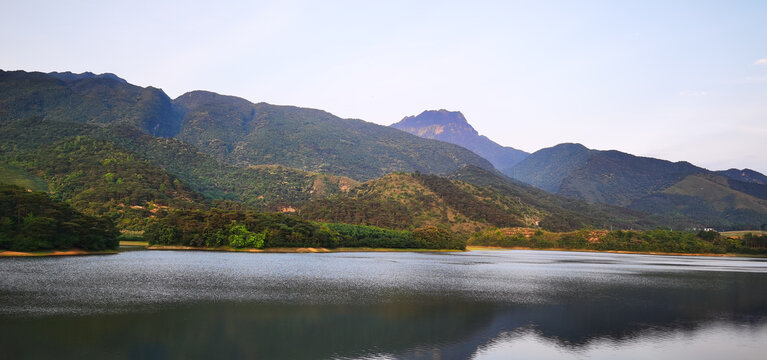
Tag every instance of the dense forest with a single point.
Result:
(656, 240)
(31, 221)
(248, 229)
(266, 188)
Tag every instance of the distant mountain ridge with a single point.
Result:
(69, 76)
(86, 98)
(452, 127)
(239, 132)
(231, 129)
(745, 175)
(653, 185)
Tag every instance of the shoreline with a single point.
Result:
(300, 250)
(495, 248)
(304, 250)
(71, 252)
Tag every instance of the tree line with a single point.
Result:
(32, 221)
(656, 240)
(249, 229)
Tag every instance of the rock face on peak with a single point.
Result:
(452, 127)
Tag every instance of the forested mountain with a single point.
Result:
(106, 147)
(98, 178)
(31, 144)
(408, 201)
(647, 184)
(452, 127)
(564, 213)
(230, 129)
(549, 166)
(745, 175)
(470, 200)
(242, 133)
(86, 98)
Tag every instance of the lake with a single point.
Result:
(479, 304)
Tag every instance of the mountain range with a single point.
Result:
(111, 148)
(230, 129)
(716, 199)
(725, 199)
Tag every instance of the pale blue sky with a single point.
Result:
(678, 80)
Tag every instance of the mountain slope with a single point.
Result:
(563, 213)
(469, 200)
(407, 201)
(745, 175)
(86, 98)
(242, 133)
(452, 127)
(98, 178)
(14, 175)
(647, 184)
(546, 168)
(232, 130)
(266, 188)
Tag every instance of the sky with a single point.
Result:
(676, 80)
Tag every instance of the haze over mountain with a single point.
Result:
(611, 177)
(452, 127)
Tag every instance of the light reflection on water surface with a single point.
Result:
(535, 304)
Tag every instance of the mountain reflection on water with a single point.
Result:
(380, 305)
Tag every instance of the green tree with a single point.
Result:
(240, 237)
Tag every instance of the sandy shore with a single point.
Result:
(73, 252)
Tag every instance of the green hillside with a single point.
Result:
(547, 168)
(475, 199)
(408, 201)
(678, 190)
(236, 131)
(14, 175)
(232, 130)
(263, 187)
(86, 98)
(562, 213)
(98, 178)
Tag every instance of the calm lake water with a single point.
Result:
(479, 304)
